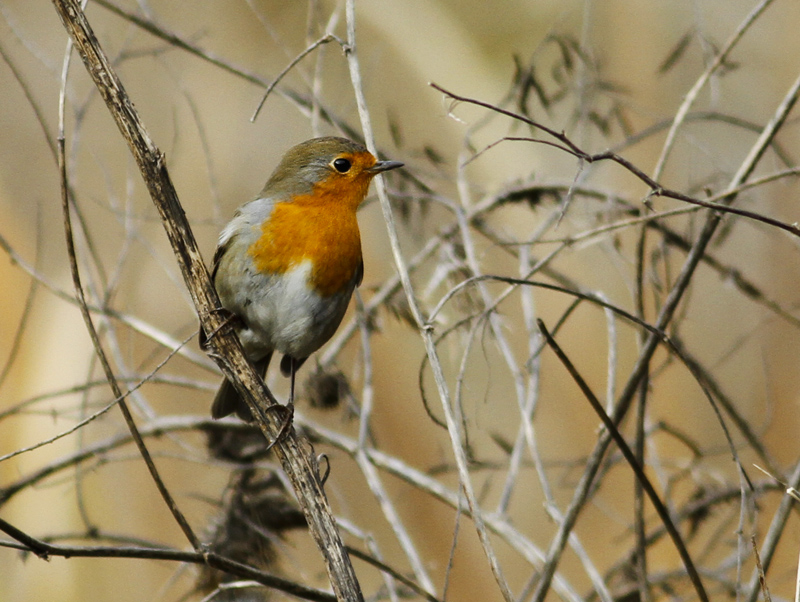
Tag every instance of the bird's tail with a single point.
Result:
(227, 401)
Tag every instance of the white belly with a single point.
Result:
(285, 315)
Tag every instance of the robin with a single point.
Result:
(287, 263)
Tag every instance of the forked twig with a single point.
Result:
(565, 144)
(423, 325)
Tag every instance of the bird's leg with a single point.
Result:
(291, 389)
(289, 367)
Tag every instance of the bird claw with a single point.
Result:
(288, 418)
(230, 318)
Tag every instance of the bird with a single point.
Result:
(286, 265)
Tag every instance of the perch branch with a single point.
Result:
(225, 347)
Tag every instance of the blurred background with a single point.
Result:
(611, 75)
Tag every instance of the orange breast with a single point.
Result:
(320, 227)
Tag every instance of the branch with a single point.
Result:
(641, 477)
(225, 347)
(583, 490)
(565, 144)
(45, 550)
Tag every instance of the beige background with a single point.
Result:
(199, 116)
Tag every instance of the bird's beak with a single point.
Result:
(384, 166)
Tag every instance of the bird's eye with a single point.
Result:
(342, 165)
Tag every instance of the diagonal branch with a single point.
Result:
(224, 346)
(641, 477)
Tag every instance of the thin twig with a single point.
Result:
(371, 476)
(565, 144)
(45, 550)
(691, 96)
(324, 40)
(109, 373)
(385, 568)
(416, 312)
(659, 506)
(773, 535)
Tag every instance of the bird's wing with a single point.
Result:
(360, 272)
